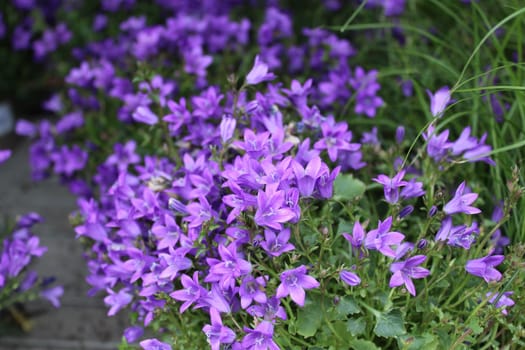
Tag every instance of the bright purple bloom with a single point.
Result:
(402, 249)
(269, 310)
(439, 101)
(437, 144)
(191, 292)
(294, 282)
(484, 267)
(382, 238)
(227, 128)
(154, 344)
(367, 104)
(260, 338)
(252, 289)
(307, 176)
(391, 186)
(4, 155)
(199, 213)
(25, 128)
(276, 245)
(144, 115)
(133, 333)
(253, 144)
(271, 210)
(404, 271)
(230, 267)
(349, 278)
(400, 134)
(215, 298)
(53, 295)
(461, 202)
(335, 138)
(412, 189)
(357, 238)
(117, 301)
(216, 333)
(325, 182)
(503, 301)
(174, 262)
(259, 73)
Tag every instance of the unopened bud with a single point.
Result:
(406, 211)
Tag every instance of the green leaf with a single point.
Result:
(344, 226)
(356, 326)
(309, 319)
(348, 188)
(347, 306)
(390, 324)
(425, 341)
(475, 326)
(359, 344)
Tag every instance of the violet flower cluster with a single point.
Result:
(205, 199)
(19, 283)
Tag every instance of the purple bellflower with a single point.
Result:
(230, 267)
(259, 73)
(191, 292)
(252, 289)
(439, 101)
(271, 210)
(349, 278)
(484, 267)
(382, 238)
(356, 239)
(391, 186)
(461, 202)
(216, 333)
(227, 128)
(307, 176)
(4, 155)
(404, 271)
(276, 245)
(269, 310)
(133, 333)
(260, 338)
(117, 301)
(145, 115)
(503, 301)
(154, 344)
(294, 282)
(53, 295)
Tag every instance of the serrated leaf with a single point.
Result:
(308, 319)
(348, 188)
(347, 306)
(356, 326)
(475, 326)
(359, 344)
(390, 324)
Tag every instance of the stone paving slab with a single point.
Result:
(81, 322)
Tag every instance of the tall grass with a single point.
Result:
(477, 50)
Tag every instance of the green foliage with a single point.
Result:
(346, 187)
(389, 324)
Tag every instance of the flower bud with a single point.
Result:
(400, 134)
(406, 211)
(422, 244)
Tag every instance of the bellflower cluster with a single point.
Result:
(18, 282)
(220, 161)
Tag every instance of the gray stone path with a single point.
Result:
(81, 322)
